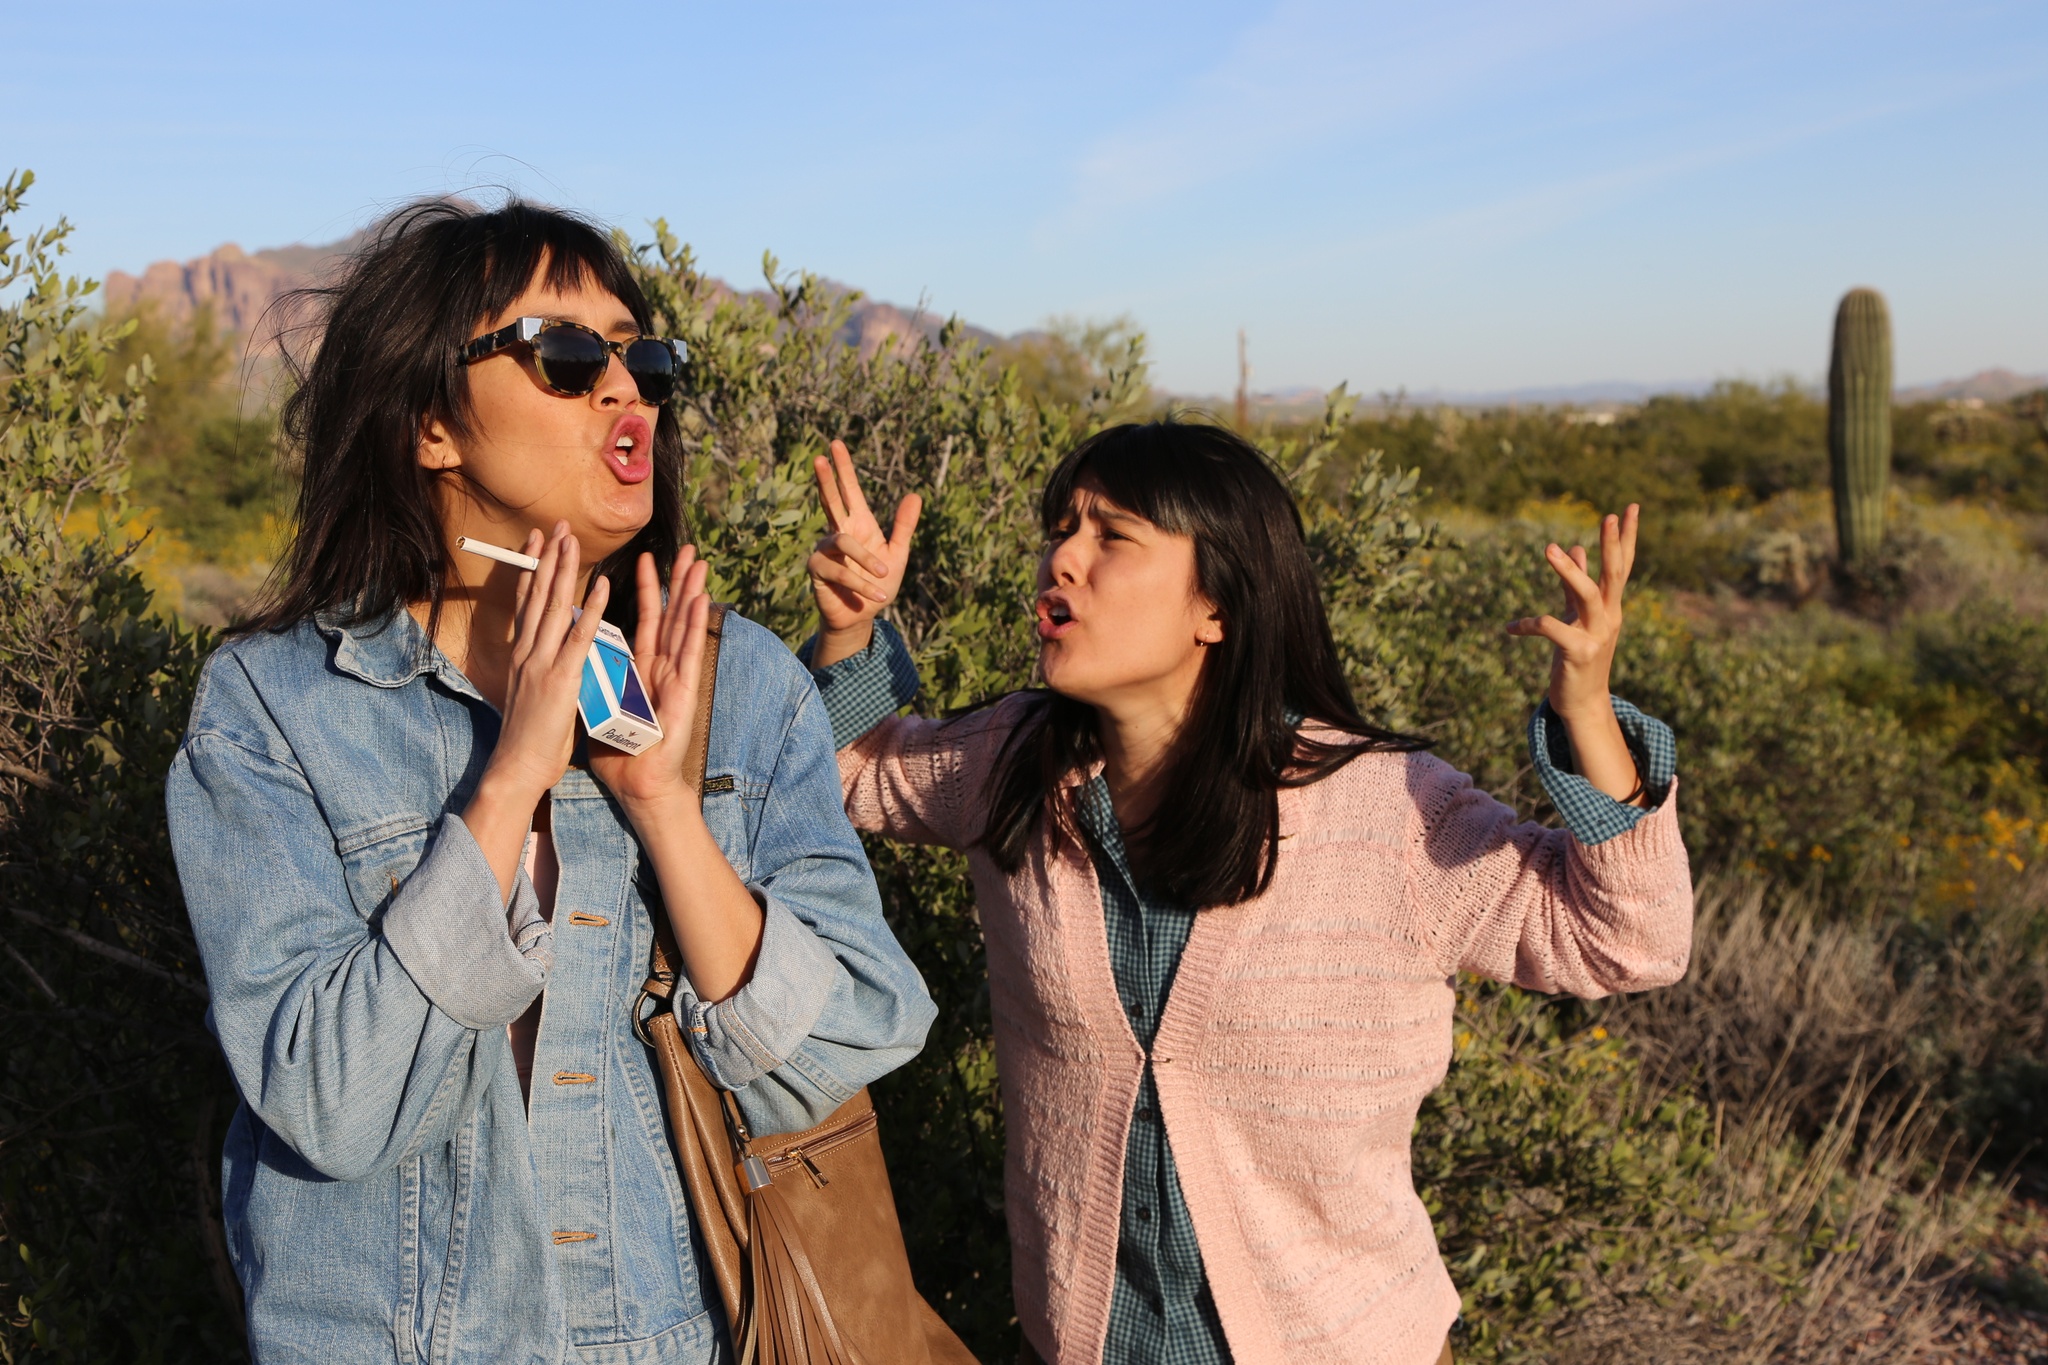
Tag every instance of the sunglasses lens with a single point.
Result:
(570, 360)
(653, 367)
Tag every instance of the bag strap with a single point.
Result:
(716, 1200)
(695, 758)
(776, 1308)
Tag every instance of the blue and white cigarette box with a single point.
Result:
(614, 705)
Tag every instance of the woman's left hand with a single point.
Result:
(668, 650)
(717, 921)
(1582, 656)
(1584, 639)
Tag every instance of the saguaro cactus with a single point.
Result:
(1860, 421)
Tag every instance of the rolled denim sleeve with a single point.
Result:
(356, 1035)
(750, 1034)
(457, 939)
(1590, 814)
(866, 689)
(833, 1002)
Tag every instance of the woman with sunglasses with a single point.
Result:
(424, 899)
(1224, 913)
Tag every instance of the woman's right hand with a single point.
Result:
(537, 732)
(855, 569)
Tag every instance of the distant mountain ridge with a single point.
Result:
(1989, 386)
(1303, 401)
(241, 286)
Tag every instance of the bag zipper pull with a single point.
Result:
(818, 1179)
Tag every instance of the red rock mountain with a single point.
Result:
(240, 286)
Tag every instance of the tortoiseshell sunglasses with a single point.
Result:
(571, 359)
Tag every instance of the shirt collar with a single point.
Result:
(1095, 812)
(389, 651)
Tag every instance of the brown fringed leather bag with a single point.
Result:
(801, 1227)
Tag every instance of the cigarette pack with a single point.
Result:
(613, 703)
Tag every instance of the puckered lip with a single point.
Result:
(1055, 613)
(638, 464)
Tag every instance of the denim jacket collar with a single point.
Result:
(389, 651)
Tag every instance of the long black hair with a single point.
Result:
(1214, 838)
(383, 364)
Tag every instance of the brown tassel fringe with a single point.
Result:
(786, 1297)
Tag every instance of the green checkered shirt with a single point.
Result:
(1161, 1312)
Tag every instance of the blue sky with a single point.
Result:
(1468, 195)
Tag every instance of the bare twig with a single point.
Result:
(113, 954)
(33, 974)
(35, 779)
(205, 1161)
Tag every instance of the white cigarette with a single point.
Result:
(497, 552)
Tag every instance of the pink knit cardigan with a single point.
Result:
(1303, 1030)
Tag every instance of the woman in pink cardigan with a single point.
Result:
(1224, 913)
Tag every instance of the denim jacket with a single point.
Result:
(389, 1196)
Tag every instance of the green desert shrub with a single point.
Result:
(1741, 441)
(1990, 450)
(1812, 746)
(112, 1103)
(205, 463)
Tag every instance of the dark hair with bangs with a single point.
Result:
(1214, 839)
(384, 363)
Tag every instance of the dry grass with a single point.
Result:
(1835, 1055)
(1836, 1249)
(1784, 1009)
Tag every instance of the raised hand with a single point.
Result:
(538, 731)
(855, 569)
(668, 651)
(1583, 642)
(716, 919)
(539, 727)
